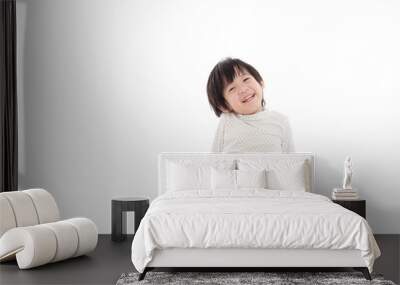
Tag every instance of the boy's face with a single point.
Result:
(244, 94)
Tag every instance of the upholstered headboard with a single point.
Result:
(233, 159)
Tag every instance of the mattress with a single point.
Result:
(252, 219)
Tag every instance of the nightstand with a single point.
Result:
(119, 207)
(357, 206)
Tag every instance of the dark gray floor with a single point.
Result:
(102, 266)
(111, 259)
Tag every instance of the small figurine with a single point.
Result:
(348, 172)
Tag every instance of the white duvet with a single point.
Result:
(250, 218)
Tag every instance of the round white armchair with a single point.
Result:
(31, 230)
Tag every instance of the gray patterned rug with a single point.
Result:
(270, 278)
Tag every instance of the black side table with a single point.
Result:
(119, 207)
(357, 206)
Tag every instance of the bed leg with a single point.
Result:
(143, 274)
(364, 271)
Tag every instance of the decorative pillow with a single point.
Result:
(251, 178)
(184, 177)
(223, 179)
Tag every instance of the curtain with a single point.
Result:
(8, 97)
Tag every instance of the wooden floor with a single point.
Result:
(111, 259)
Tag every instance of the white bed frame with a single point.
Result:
(249, 257)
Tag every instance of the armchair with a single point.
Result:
(32, 233)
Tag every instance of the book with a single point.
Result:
(341, 190)
(345, 194)
(346, 199)
(341, 197)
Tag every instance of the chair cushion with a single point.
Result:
(45, 205)
(67, 239)
(7, 220)
(27, 208)
(87, 232)
(32, 246)
(23, 208)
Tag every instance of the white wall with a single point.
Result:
(104, 86)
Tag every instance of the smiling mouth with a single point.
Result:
(248, 99)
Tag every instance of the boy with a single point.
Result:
(235, 92)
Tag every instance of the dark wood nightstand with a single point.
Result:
(357, 206)
(119, 207)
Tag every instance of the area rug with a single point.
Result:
(269, 278)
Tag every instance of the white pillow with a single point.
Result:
(185, 177)
(237, 179)
(223, 179)
(291, 178)
(282, 174)
(251, 178)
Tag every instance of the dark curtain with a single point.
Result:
(8, 99)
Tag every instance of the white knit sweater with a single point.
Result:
(265, 131)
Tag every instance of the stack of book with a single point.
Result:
(344, 194)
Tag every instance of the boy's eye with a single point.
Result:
(231, 89)
(246, 78)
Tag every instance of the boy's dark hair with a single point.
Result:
(223, 73)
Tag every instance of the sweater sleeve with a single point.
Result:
(218, 143)
(288, 144)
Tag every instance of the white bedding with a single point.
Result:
(250, 218)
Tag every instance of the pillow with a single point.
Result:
(237, 179)
(223, 179)
(184, 177)
(251, 178)
(282, 174)
(290, 178)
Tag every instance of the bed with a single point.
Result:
(247, 210)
